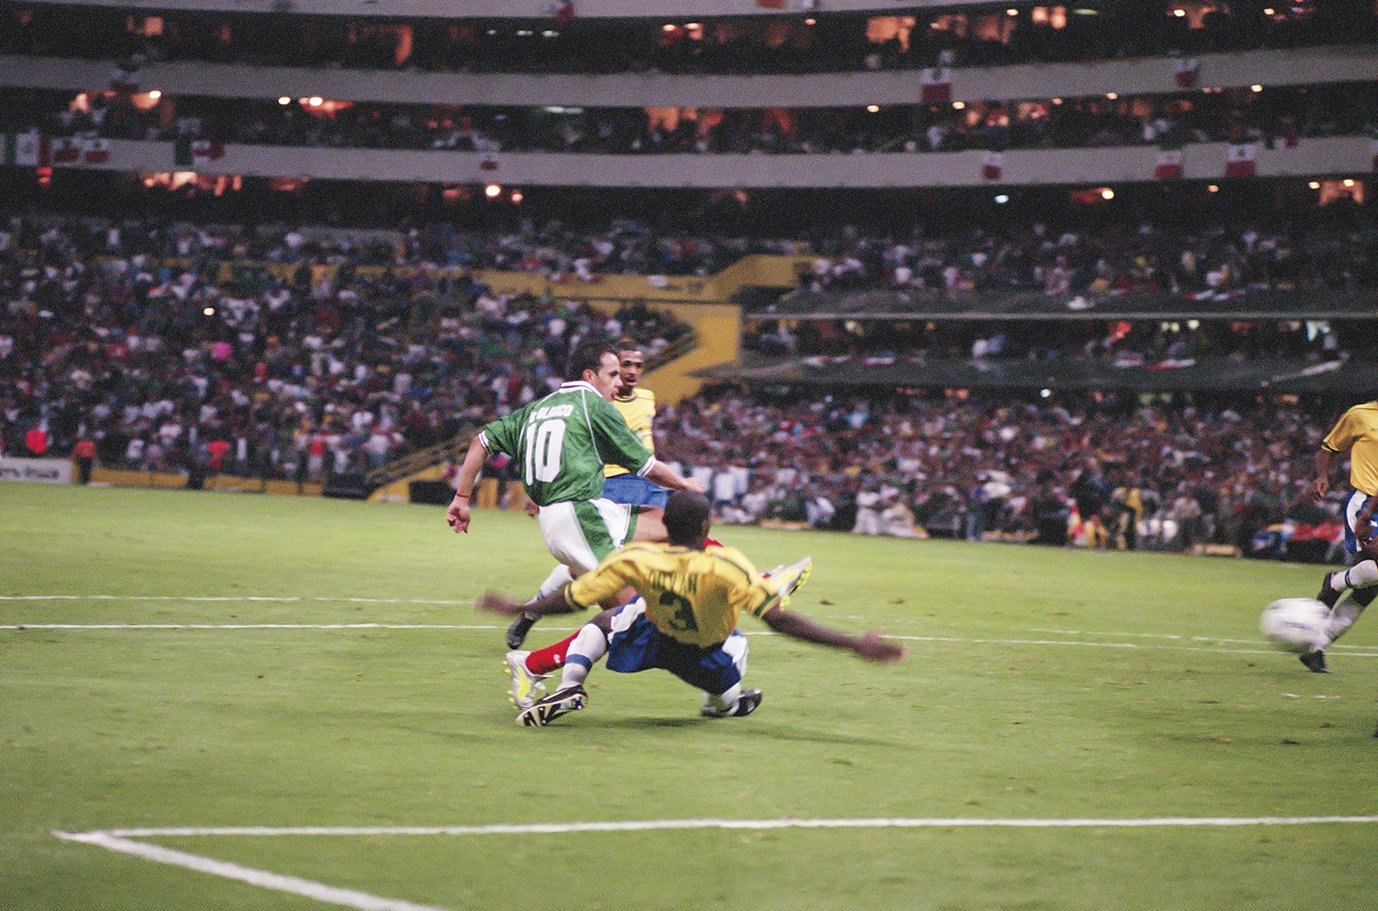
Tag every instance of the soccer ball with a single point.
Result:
(1292, 624)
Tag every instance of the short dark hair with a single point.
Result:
(588, 355)
(627, 343)
(685, 515)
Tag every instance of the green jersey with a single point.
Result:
(562, 442)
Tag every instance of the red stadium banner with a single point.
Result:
(1188, 70)
(1241, 160)
(936, 86)
(992, 165)
(1169, 165)
(95, 151)
(66, 151)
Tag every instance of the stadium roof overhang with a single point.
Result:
(487, 9)
(1299, 304)
(1271, 376)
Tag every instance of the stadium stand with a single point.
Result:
(987, 261)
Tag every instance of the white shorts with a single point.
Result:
(581, 534)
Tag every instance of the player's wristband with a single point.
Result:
(461, 496)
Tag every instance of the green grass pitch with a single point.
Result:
(1041, 685)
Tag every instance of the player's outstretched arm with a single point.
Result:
(458, 514)
(553, 603)
(663, 475)
(870, 647)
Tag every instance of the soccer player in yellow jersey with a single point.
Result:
(638, 407)
(1356, 432)
(684, 620)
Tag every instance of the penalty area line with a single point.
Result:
(263, 879)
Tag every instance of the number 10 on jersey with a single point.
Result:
(544, 443)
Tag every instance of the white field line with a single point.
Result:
(307, 888)
(273, 599)
(247, 626)
(1349, 651)
(122, 841)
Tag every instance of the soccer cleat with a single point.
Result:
(746, 703)
(526, 686)
(516, 633)
(792, 578)
(1314, 661)
(544, 711)
(1328, 596)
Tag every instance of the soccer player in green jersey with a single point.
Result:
(561, 443)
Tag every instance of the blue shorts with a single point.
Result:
(1355, 503)
(634, 491)
(636, 645)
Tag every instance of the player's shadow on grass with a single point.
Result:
(757, 729)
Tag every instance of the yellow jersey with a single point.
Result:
(692, 596)
(1356, 432)
(639, 411)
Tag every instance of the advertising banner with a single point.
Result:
(39, 471)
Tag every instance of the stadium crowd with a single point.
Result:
(170, 348)
(291, 352)
(564, 43)
(1332, 249)
(1278, 116)
(1113, 473)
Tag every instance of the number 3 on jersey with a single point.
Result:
(544, 444)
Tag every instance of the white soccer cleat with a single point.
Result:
(746, 703)
(526, 686)
(544, 711)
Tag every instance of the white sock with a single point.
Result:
(559, 577)
(1341, 619)
(591, 644)
(727, 699)
(1360, 575)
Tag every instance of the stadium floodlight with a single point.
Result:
(1315, 185)
(154, 94)
(1213, 188)
(1107, 194)
(1255, 87)
(958, 105)
(873, 108)
(1348, 181)
(1002, 199)
(492, 191)
(284, 100)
